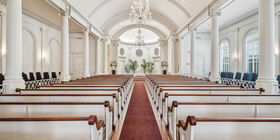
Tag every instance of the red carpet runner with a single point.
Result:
(140, 123)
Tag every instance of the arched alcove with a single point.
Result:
(28, 50)
(149, 50)
(55, 53)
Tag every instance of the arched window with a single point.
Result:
(224, 56)
(252, 52)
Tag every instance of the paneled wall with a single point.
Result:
(40, 45)
(77, 55)
(202, 53)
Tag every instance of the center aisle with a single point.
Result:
(140, 123)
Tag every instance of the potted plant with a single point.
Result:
(150, 67)
(164, 66)
(127, 68)
(144, 66)
(113, 66)
(133, 65)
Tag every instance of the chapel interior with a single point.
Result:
(139, 69)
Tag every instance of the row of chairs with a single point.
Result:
(32, 83)
(248, 80)
(2, 78)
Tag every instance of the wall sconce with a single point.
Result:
(276, 50)
(4, 52)
(235, 56)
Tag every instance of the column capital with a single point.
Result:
(115, 43)
(163, 43)
(193, 29)
(215, 13)
(174, 37)
(67, 11)
(3, 9)
(86, 29)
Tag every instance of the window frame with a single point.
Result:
(252, 51)
(224, 64)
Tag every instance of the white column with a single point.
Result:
(41, 61)
(4, 47)
(277, 41)
(181, 54)
(14, 47)
(162, 45)
(86, 54)
(266, 78)
(193, 55)
(170, 53)
(65, 76)
(98, 56)
(114, 50)
(105, 57)
(215, 75)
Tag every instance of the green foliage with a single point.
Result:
(144, 65)
(147, 66)
(132, 66)
(127, 69)
(114, 65)
(150, 67)
(164, 65)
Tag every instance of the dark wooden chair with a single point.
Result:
(31, 76)
(38, 76)
(46, 75)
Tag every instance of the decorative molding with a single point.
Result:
(39, 19)
(250, 15)
(98, 7)
(132, 44)
(176, 4)
(3, 2)
(115, 43)
(194, 18)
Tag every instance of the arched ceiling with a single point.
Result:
(171, 14)
(118, 32)
(130, 36)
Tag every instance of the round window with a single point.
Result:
(121, 51)
(156, 51)
(139, 52)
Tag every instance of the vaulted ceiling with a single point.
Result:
(168, 15)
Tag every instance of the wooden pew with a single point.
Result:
(112, 98)
(160, 88)
(223, 98)
(52, 128)
(180, 110)
(125, 92)
(76, 91)
(200, 128)
(102, 110)
(160, 96)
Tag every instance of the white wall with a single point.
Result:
(92, 58)
(76, 55)
(41, 45)
(148, 55)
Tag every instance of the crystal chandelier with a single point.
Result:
(139, 39)
(140, 11)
